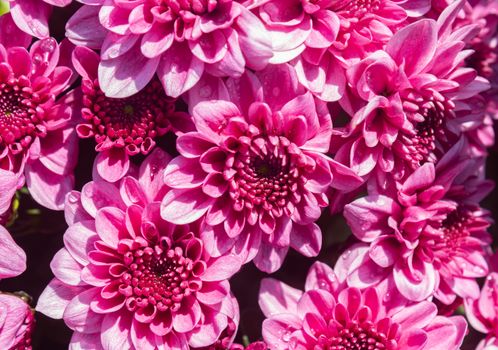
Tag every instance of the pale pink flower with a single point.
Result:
(428, 237)
(329, 315)
(16, 323)
(127, 279)
(12, 257)
(411, 102)
(36, 133)
(122, 127)
(256, 169)
(177, 39)
(32, 16)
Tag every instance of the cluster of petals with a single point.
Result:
(427, 236)
(177, 39)
(322, 38)
(256, 169)
(330, 315)
(122, 127)
(482, 311)
(16, 323)
(410, 102)
(127, 279)
(37, 135)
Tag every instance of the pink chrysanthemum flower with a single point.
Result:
(482, 311)
(322, 37)
(32, 16)
(328, 315)
(411, 102)
(128, 279)
(36, 134)
(428, 237)
(256, 169)
(122, 127)
(16, 323)
(176, 39)
(12, 257)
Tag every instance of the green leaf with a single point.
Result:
(4, 7)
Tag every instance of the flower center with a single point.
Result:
(131, 122)
(266, 175)
(357, 8)
(429, 132)
(355, 337)
(20, 115)
(157, 276)
(198, 7)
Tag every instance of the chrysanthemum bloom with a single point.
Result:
(122, 127)
(12, 257)
(256, 169)
(36, 134)
(428, 236)
(127, 279)
(328, 315)
(411, 102)
(176, 39)
(16, 323)
(482, 311)
(32, 16)
(322, 37)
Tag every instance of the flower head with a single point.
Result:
(257, 170)
(143, 282)
(428, 237)
(36, 136)
(176, 39)
(122, 127)
(329, 315)
(481, 310)
(410, 103)
(16, 323)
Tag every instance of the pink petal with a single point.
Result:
(112, 164)
(276, 297)
(185, 206)
(179, 70)
(306, 239)
(127, 74)
(31, 16)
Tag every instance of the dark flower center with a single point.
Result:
(21, 116)
(131, 123)
(429, 133)
(198, 7)
(266, 175)
(357, 8)
(355, 337)
(157, 276)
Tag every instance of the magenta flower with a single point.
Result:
(256, 169)
(176, 39)
(16, 323)
(36, 135)
(32, 16)
(428, 237)
(322, 37)
(482, 311)
(328, 315)
(12, 257)
(411, 102)
(122, 127)
(128, 279)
